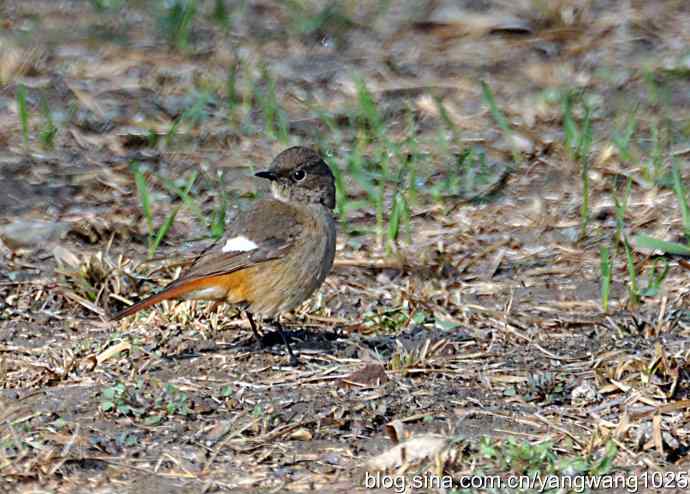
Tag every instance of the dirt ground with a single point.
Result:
(462, 334)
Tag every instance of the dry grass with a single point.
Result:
(466, 337)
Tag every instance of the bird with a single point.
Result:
(274, 255)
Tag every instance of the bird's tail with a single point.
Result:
(175, 290)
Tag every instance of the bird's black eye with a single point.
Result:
(298, 175)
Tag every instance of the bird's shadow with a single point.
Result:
(301, 339)
(271, 342)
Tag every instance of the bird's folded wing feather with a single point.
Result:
(265, 232)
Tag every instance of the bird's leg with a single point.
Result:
(257, 336)
(294, 361)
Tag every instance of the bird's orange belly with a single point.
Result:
(269, 288)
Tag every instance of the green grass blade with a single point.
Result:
(170, 219)
(23, 113)
(647, 242)
(633, 289)
(682, 196)
(395, 218)
(183, 194)
(583, 149)
(496, 113)
(368, 112)
(605, 277)
(232, 94)
(172, 131)
(221, 15)
(176, 22)
(584, 207)
(194, 115)
(620, 207)
(48, 130)
(275, 119)
(622, 139)
(445, 117)
(163, 230)
(656, 277)
(218, 220)
(499, 118)
(341, 197)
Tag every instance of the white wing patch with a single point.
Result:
(239, 244)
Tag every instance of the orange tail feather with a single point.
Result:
(171, 292)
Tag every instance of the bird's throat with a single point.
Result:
(280, 192)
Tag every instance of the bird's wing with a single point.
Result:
(266, 231)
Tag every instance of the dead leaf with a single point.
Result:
(370, 375)
(411, 451)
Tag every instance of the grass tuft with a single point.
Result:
(275, 119)
(156, 236)
(500, 119)
(175, 22)
(578, 143)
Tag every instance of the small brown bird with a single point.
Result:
(275, 255)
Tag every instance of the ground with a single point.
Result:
(510, 293)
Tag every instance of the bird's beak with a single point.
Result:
(266, 174)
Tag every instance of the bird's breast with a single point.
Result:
(282, 284)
